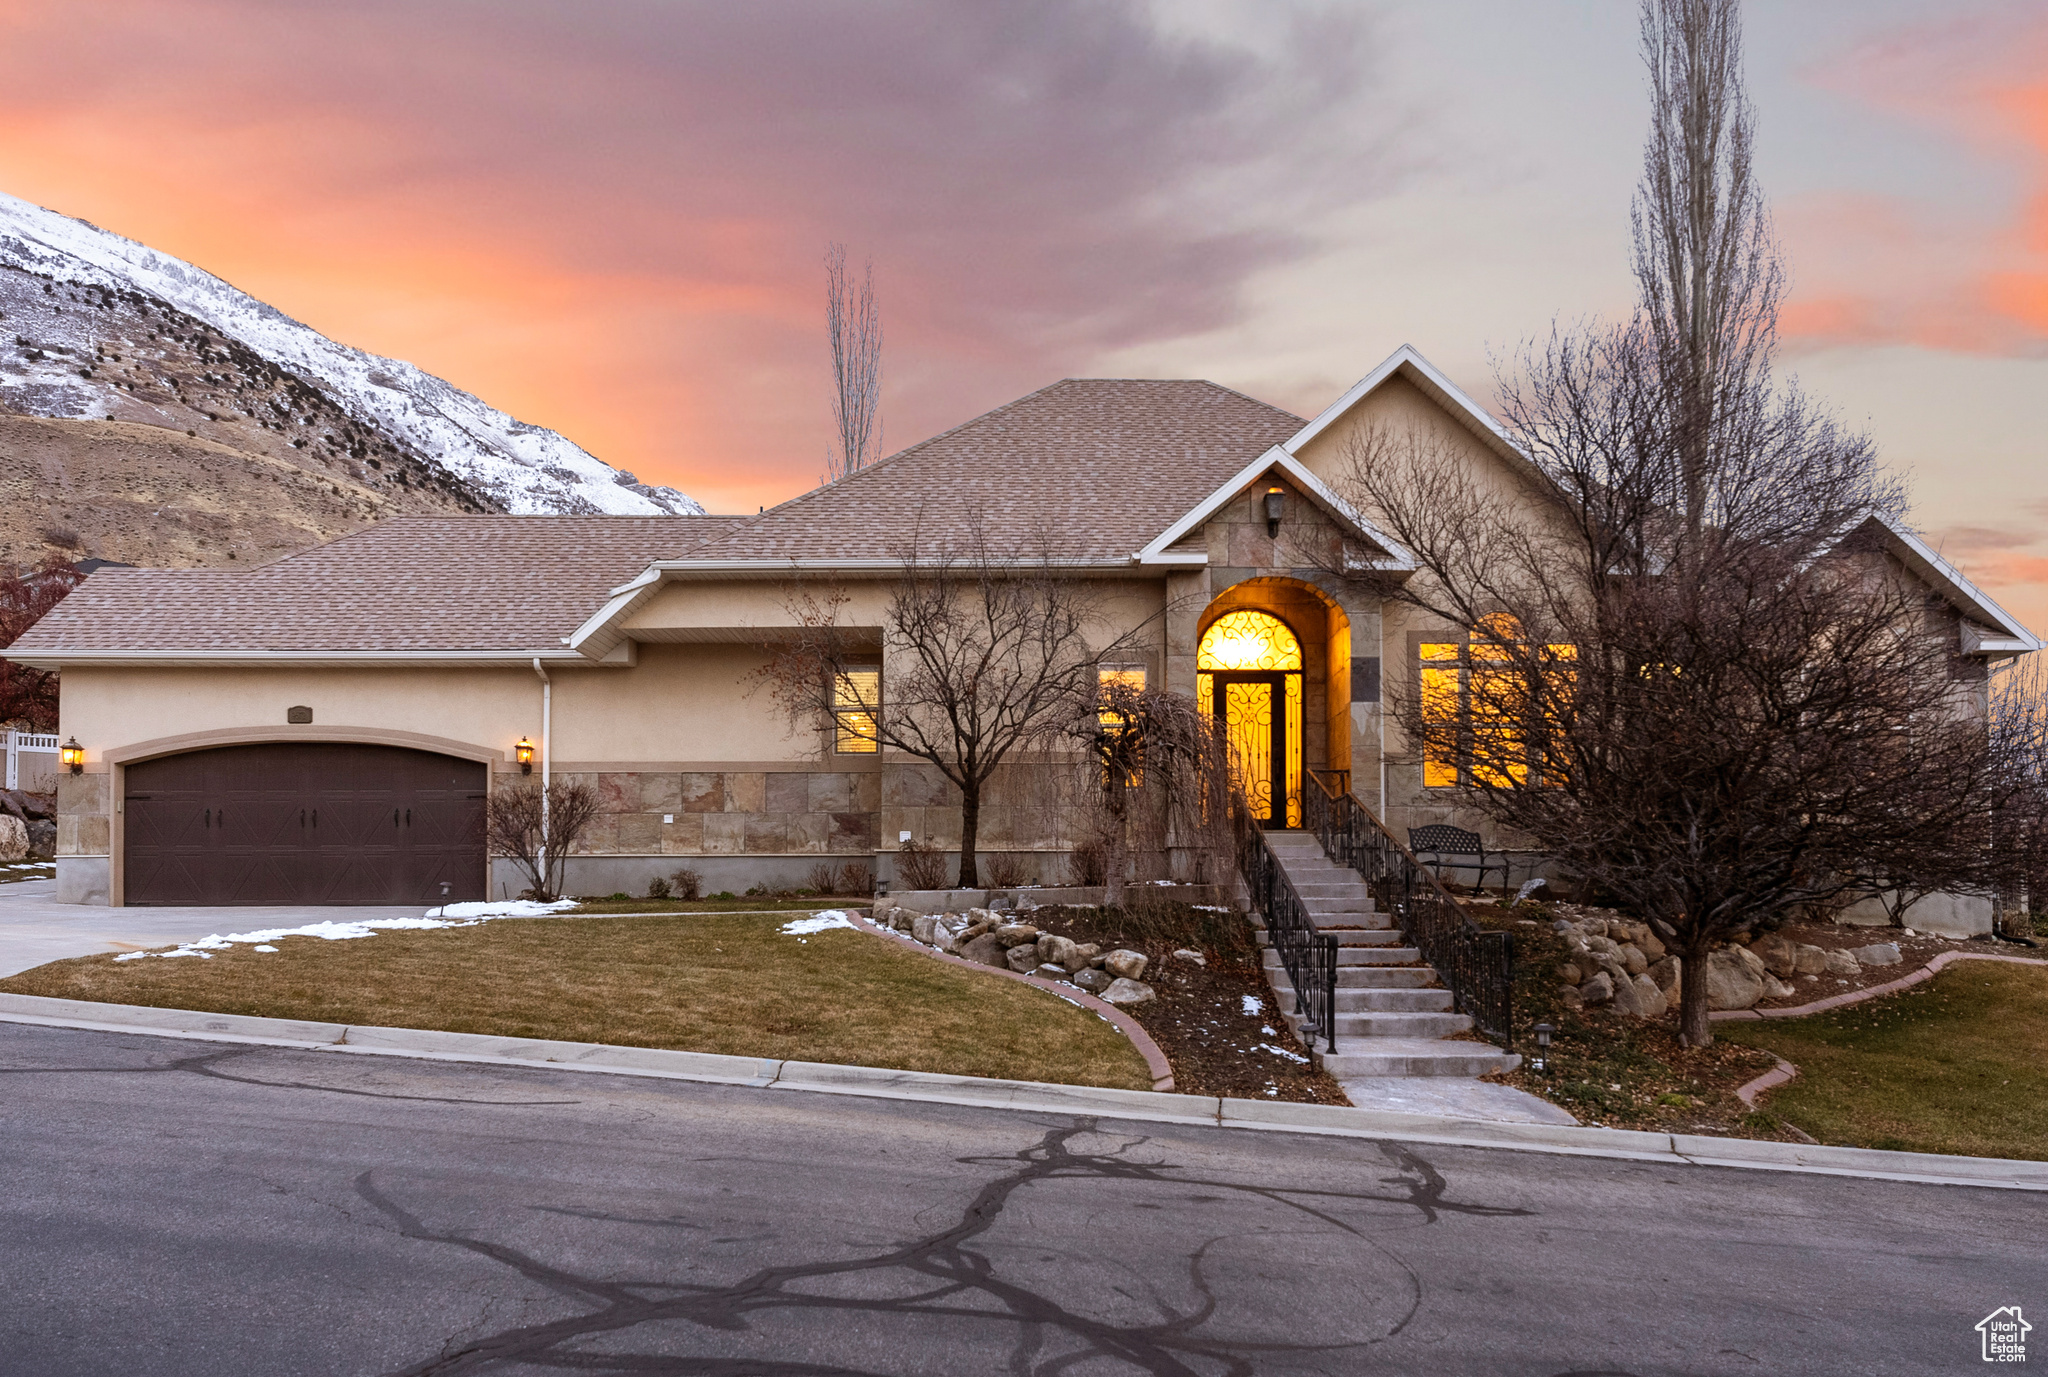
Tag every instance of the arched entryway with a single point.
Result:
(1248, 677)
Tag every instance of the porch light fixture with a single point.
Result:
(73, 756)
(1541, 1061)
(1276, 507)
(523, 753)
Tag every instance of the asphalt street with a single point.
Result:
(178, 1207)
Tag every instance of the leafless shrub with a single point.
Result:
(824, 878)
(1006, 871)
(1085, 865)
(657, 888)
(856, 877)
(538, 828)
(686, 883)
(921, 864)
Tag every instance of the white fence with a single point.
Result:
(31, 761)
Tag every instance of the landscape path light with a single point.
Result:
(73, 756)
(1541, 1061)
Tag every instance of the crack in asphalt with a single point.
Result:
(946, 1278)
(204, 1064)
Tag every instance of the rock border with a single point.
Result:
(1926, 972)
(1670, 1149)
(1155, 1060)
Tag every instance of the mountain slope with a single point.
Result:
(93, 325)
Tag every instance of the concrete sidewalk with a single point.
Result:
(35, 928)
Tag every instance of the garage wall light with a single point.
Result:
(523, 753)
(73, 756)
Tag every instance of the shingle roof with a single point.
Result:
(1099, 465)
(413, 583)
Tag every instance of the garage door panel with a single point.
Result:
(311, 823)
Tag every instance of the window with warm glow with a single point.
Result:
(1114, 679)
(856, 700)
(1478, 717)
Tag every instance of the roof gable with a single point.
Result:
(1275, 460)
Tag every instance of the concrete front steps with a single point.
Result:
(1392, 1018)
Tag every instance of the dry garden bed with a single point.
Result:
(729, 983)
(1214, 1017)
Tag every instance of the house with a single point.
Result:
(325, 729)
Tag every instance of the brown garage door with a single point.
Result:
(304, 823)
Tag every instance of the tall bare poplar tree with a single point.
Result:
(1686, 667)
(853, 327)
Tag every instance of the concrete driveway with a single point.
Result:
(35, 928)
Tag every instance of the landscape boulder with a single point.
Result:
(1571, 973)
(1054, 950)
(1125, 963)
(1633, 960)
(1016, 934)
(1840, 963)
(984, 949)
(13, 838)
(1878, 954)
(1652, 945)
(922, 926)
(1085, 955)
(42, 839)
(1638, 1000)
(1126, 992)
(1779, 954)
(1809, 960)
(1022, 958)
(1191, 956)
(1775, 988)
(1732, 982)
(1093, 981)
(1598, 990)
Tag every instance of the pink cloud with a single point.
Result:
(609, 219)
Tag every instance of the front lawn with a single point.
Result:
(729, 983)
(1956, 1064)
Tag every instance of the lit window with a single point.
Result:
(1478, 716)
(1251, 642)
(1117, 679)
(856, 699)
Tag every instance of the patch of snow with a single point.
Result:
(818, 922)
(1253, 1004)
(1283, 1052)
(328, 931)
(1269, 1030)
(509, 908)
(263, 946)
(527, 469)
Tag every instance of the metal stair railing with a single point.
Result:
(1309, 956)
(1478, 967)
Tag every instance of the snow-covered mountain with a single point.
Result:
(58, 368)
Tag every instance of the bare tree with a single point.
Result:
(28, 697)
(984, 657)
(537, 828)
(1154, 780)
(853, 326)
(1686, 668)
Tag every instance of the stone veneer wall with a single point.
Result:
(731, 812)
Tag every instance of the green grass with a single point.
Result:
(727, 983)
(757, 904)
(1957, 1064)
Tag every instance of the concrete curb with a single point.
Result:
(1028, 1096)
(1926, 972)
(1769, 1080)
(1155, 1060)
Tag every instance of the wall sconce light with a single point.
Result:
(1276, 507)
(1541, 1061)
(523, 753)
(73, 756)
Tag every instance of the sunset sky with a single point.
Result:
(609, 218)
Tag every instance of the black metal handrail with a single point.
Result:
(1478, 967)
(1309, 956)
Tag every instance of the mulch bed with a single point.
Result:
(1199, 1018)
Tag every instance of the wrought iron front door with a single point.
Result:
(1252, 708)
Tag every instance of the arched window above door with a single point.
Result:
(1248, 639)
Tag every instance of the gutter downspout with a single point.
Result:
(547, 720)
(1383, 712)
